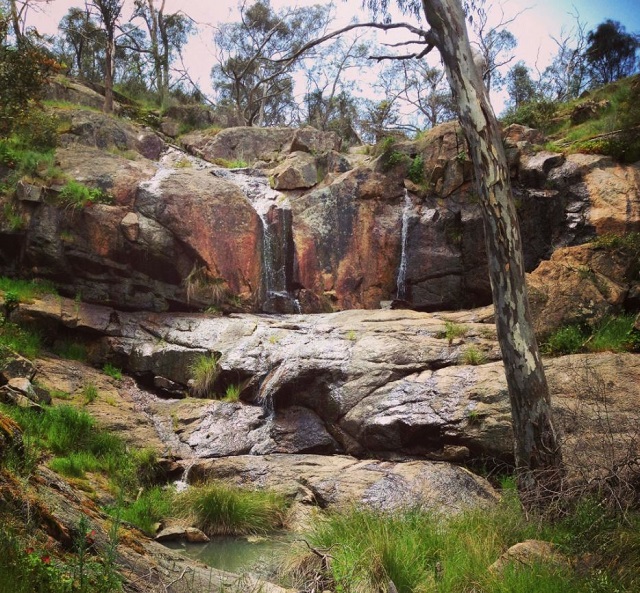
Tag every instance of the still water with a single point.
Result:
(260, 556)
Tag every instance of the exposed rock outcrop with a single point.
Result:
(361, 382)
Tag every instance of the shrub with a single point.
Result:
(612, 333)
(204, 371)
(534, 114)
(566, 340)
(220, 509)
(416, 169)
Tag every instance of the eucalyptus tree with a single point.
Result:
(109, 13)
(520, 86)
(81, 43)
(329, 101)
(537, 452)
(611, 52)
(566, 77)
(251, 76)
(168, 34)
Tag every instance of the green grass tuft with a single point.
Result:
(113, 371)
(204, 372)
(151, 507)
(220, 509)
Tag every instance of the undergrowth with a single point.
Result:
(419, 551)
(611, 334)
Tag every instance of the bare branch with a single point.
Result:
(427, 36)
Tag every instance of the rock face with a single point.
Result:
(341, 481)
(348, 232)
(366, 383)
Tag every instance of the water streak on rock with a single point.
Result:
(401, 282)
(277, 258)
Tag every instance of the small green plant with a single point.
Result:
(473, 356)
(15, 221)
(351, 335)
(204, 372)
(77, 195)
(219, 509)
(10, 303)
(231, 164)
(473, 417)
(90, 392)
(453, 331)
(183, 163)
(232, 393)
(416, 170)
(113, 371)
(274, 339)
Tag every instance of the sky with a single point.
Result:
(537, 22)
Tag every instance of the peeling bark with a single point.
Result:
(537, 452)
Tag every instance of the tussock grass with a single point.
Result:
(18, 339)
(151, 507)
(422, 552)
(611, 334)
(221, 509)
(204, 372)
(26, 290)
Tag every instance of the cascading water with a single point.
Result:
(401, 282)
(277, 249)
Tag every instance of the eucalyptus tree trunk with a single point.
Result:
(109, 67)
(537, 452)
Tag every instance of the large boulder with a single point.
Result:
(362, 382)
(342, 481)
(251, 144)
(580, 284)
(99, 130)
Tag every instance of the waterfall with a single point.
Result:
(277, 241)
(401, 282)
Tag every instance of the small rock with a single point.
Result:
(14, 366)
(169, 386)
(27, 192)
(528, 553)
(130, 226)
(171, 534)
(195, 536)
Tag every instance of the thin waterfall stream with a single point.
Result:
(401, 282)
(277, 241)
